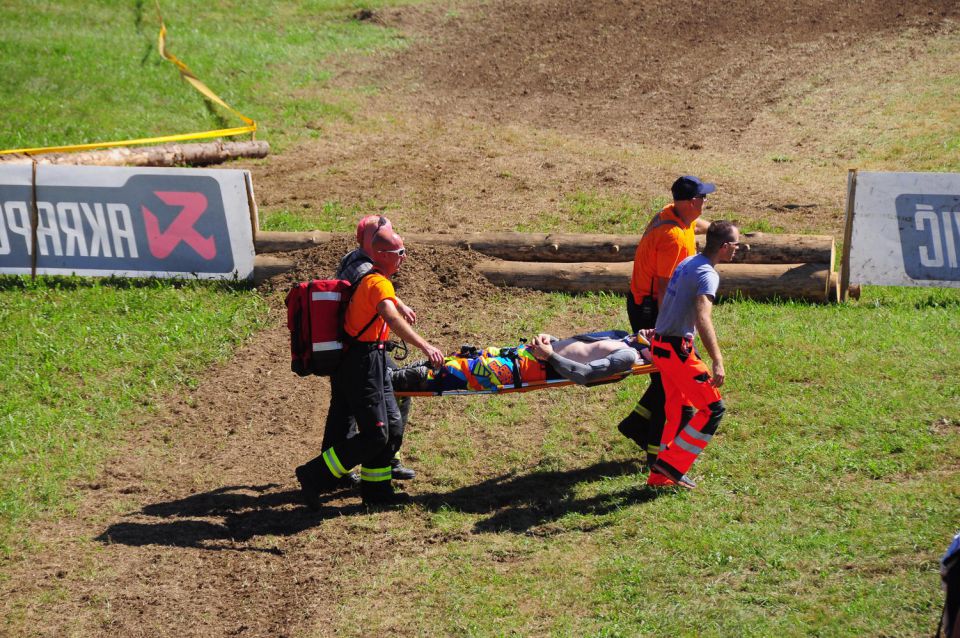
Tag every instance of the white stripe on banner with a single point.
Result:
(325, 296)
(321, 346)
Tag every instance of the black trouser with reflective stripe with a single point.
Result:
(363, 390)
(650, 414)
(340, 424)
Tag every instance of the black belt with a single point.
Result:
(368, 345)
(672, 338)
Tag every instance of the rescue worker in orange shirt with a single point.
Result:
(362, 376)
(667, 240)
(339, 425)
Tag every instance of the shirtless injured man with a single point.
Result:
(582, 359)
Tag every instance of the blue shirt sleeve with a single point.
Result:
(707, 282)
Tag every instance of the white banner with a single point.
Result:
(906, 230)
(127, 222)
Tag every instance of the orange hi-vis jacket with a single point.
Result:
(665, 243)
(371, 290)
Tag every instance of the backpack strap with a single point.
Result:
(354, 338)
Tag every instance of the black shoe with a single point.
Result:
(381, 495)
(399, 472)
(651, 460)
(309, 489)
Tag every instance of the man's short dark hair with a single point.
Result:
(719, 233)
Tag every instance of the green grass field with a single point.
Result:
(824, 502)
(268, 60)
(821, 510)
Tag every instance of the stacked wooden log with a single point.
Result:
(774, 266)
(199, 154)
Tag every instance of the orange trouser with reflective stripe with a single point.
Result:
(686, 382)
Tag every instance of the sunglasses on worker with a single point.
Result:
(402, 252)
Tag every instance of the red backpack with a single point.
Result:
(315, 314)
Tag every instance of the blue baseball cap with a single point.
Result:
(688, 187)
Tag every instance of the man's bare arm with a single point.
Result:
(405, 331)
(709, 337)
(662, 284)
(700, 226)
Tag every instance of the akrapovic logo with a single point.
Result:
(930, 236)
(155, 223)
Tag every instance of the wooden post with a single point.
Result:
(201, 154)
(268, 241)
(252, 206)
(847, 235)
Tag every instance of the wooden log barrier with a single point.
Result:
(764, 248)
(266, 266)
(753, 281)
(268, 241)
(202, 154)
(571, 248)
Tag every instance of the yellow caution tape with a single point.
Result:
(187, 75)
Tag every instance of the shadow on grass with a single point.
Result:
(245, 512)
(240, 513)
(524, 502)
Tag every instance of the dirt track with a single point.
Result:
(195, 521)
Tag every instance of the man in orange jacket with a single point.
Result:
(667, 240)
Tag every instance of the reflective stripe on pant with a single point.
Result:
(686, 383)
(364, 391)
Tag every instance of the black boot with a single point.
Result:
(633, 427)
(315, 479)
(310, 486)
(380, 494)
(399, 472)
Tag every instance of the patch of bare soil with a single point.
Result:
(194, 527)
(499, 110)
(667, 74)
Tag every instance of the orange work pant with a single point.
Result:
(686, 383)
